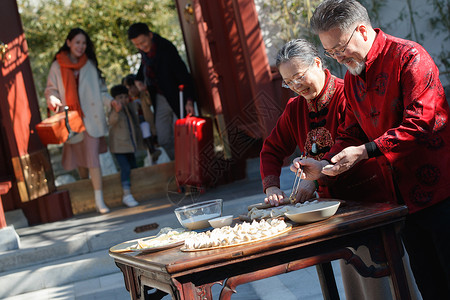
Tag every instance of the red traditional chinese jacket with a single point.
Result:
(399, 103)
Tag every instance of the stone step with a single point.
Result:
(56, 273)
(146, 182)
(79, 236)
(109, 287)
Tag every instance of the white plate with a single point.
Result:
(313, 212)
(131, 246)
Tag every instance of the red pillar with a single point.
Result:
(4, 188)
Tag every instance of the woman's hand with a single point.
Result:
(54, 103)
(305, 191)
(275, 196)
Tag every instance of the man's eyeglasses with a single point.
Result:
(297, 80)
(340, 52)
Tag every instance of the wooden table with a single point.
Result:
(190, 275)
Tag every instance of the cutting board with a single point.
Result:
(267, 205)
(246, 218)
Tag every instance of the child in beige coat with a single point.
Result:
(125, 139)
(141, 97)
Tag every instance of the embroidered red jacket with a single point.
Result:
(401, 106)
(294, 128)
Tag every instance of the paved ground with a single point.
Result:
(97, 233)
(302, 284)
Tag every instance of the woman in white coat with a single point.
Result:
(75, 80)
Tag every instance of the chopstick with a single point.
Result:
(296, 184)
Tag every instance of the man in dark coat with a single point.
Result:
(163, 71)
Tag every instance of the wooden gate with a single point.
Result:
(228, 60)
(25, 161)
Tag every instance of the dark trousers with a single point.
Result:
(427, 239)
(126, 161)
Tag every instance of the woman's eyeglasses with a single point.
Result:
(293, 82)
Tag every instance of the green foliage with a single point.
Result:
(440, 22)
(291, 17)
(47, 22)
(373, 9)
(290, 20)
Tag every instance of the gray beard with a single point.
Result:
(358, 69)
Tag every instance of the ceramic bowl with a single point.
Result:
(195, 216)
(313, 212)
(221, 221)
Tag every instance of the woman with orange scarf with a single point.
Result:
(75, 80)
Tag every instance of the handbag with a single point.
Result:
(62, 127)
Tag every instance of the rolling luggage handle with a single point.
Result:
(181, 88)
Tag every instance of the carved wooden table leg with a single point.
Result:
(325, 275)
(192, 292)
(232, 282)
(327, 281)
(154, 288)
(156, 295)
(394, 253)
(130, 282)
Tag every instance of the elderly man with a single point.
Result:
(396, 108)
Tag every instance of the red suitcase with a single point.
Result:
(194, 151)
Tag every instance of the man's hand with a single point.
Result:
(140, 85)
(189, 107)
(345, 159)
(275, 196)
(311, 168)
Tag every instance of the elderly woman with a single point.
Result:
(309, 121)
